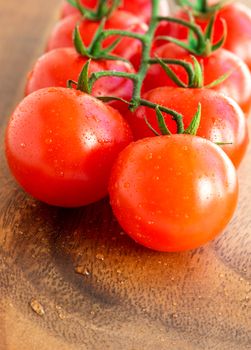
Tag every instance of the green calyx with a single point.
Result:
(191, 130)
(198, 43)
(194, 72)
(102, 9)
(95, 50)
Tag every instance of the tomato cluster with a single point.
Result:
(150, 109)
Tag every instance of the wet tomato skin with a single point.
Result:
(173, 193)
(237, 85)
(128, 48)
(222, 120)
(237, 17)
(56, 67)
(61, 145)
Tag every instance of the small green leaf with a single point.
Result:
(78, 42)
(198, 75)
(83, 80)
(220, 79)
(192, 38)
(195, 123)
(113, 98)
(171, 73)
(221, 42)
(161, 122)
(210, 29)
(95, 45)
(85, 12)
(111, 47)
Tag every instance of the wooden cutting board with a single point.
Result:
(71, 279)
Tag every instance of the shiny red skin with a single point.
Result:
(128, 48)
(56, 67)
(61, 145)
(237, 86)
(140, 8)
(238, 20)
(222, 120)
(173, 193)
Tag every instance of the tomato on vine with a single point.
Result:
(57, 67)
(61, 144)
(216, 64)
(127, 48)
(237, 17)
(173, 193)
(222, 120)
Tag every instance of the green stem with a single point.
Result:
(176, 116)
(186, 65)
(138, 78)
(146, 53)
(97, 75)
(202, 6)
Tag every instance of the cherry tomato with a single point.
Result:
(238, 20)
(56, 67)
(222, 120)
(128, 48)
(140, 8)
(237, 85)
(61, 145)
(173, 193)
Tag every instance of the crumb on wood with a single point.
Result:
(37, 307)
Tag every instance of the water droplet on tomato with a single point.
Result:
(23, 145)
(149, 156)
(137, 217)
(48, 141)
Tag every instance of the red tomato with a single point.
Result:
(57, 66)
(61, 145)
(140, 8)
(172, 193)
(237, 86)
(238, 19)
(222, 120)
(61, 36)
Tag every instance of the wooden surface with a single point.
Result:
(71, 280)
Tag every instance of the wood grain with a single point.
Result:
(98, 289)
